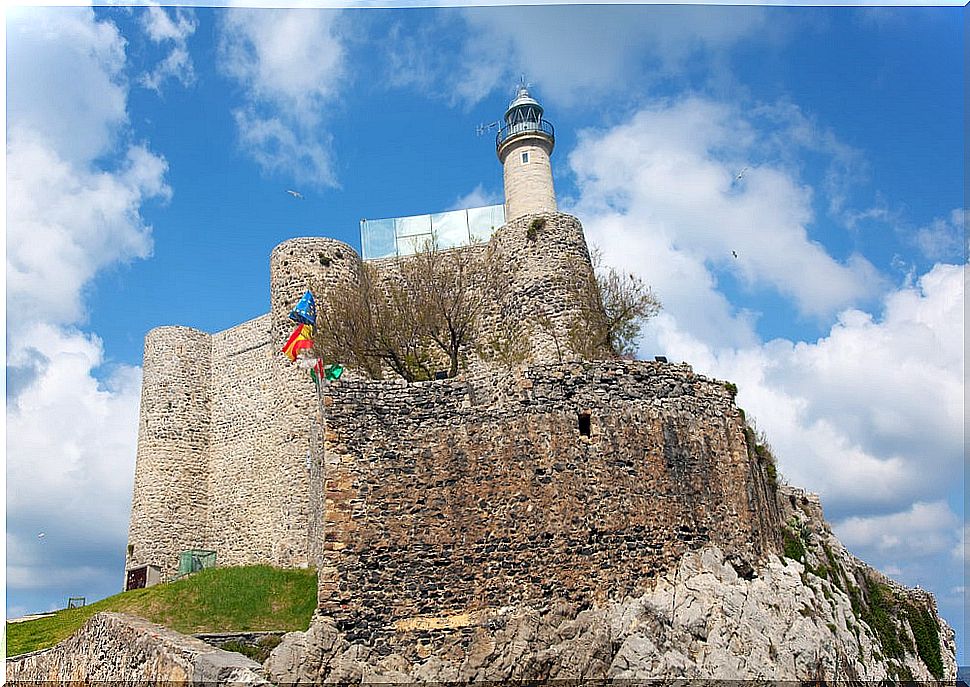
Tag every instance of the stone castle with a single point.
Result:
(470, 478)
(427, 507)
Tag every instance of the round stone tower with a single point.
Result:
(524, 145)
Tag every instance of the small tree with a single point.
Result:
(372, 324)
(450, 289)
(409, 318)
(613, 306)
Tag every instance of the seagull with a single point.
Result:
(735, 254)
(740, 175)
(295, 194)
(41, 535)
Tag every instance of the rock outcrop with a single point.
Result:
(825, 616)
(123, 649)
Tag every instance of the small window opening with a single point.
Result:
(584, 424)
(131, 550)
(525, 157)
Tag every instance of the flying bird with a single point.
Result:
(295, 194)
(41, 535)
(735, 254)
(740, 175)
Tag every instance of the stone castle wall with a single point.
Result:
(463, 493)
(544, 257)
(455, 497)
(258, 450)
(169, 505)
(223, 450)
(225, 435)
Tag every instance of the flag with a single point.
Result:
(334, 371)
(316, 372)
(331, 372)
(305, 311)
(300, 340)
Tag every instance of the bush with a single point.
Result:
(927, 635)
(794, 548)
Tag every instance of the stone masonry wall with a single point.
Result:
(297, 265)
(545, 256)
(258, 489)
(227, 462)
(450, 497)
(170, 500)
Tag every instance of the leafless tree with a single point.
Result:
(422, 313)
(426, 312)
(612, 308)
(450, 289)
(371, 325)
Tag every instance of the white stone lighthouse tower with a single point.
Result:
(524, 145)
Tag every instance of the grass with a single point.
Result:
(242, 599)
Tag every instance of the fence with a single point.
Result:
(400, 236)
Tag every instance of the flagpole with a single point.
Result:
(305, 313)
(322, 424)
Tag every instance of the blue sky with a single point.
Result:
(149, 152)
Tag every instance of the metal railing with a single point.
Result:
(542, 127)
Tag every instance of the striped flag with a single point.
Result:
(300, 340)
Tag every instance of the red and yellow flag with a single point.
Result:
(300, 340)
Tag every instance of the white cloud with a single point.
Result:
(66, 221)
(74, 196)
(921, 530)
(667, 180)
(280, 148)
(64, 79)
(176, 29)
(575, 53)
(477, 197)
(945, 237)
(160, 26)
(290, 64)
(73, 484)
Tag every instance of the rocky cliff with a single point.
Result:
(815, 613)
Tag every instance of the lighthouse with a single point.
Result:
(524, 145)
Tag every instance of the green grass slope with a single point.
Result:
(214, 600)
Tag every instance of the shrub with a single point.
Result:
(927, 635)
(794, 548)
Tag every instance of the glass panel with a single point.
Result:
(409, 226)
(409, 245)
(377, 238)
(482, 222)
(450, 229)
(382, 238)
